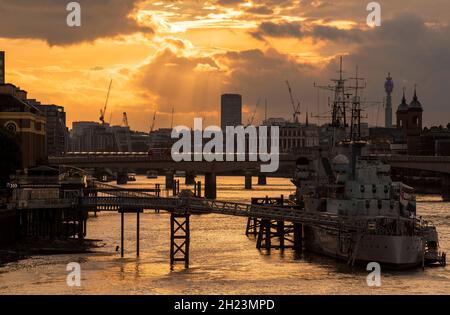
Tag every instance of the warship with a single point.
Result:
(342, 181)
(364, 191)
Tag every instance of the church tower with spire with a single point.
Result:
(414, 130)
(402, 113)
(415, 111)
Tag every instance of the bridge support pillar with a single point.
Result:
(122, 177)
(176, 188)
(170, 180)
(190, 179)
(138, 227)
(446, 187)
(122, 232)
(262, 180)
(210, 186)
(298, 237)
(179, 239)
(198, 189)
(248, 180)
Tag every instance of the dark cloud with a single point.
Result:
(194, 85)
(230, 2)
(282, 29)
(413, 51)
(301, 30)
(46, 20)
(415, 54)
(262, 10)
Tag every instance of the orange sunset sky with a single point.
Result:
(185, 54)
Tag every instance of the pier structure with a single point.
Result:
(272, 221)
(275, 234)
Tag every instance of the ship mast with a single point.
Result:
(355, 127)
(339, 117)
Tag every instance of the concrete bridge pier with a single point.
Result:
(170, 181)
(262, 180)
(298, 238)
(210, 186)
(122, 177)
(446, 187)
(190, 179)
(248, 180)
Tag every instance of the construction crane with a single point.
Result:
(296, 109)
(152, 126)
(252, 117)
(103, 110)
(125, 120)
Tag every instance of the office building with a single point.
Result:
(56, 132)
(231, 110)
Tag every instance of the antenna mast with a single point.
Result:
(355, 128)
(339, 118)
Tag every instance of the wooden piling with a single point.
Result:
(122, 226)
(137, 232)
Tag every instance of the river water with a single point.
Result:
(222, 259)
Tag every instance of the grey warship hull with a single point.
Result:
(397, 252)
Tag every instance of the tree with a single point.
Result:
(10, 155)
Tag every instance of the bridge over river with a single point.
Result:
(122, 162)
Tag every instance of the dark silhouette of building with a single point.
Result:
(57, 134)
(435, 141)
(409, 119)
(20, 117)
(88, 136)
(231, 110)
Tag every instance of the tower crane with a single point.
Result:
(296, 109)
(125, 120)
(103, 110)
(152, 126)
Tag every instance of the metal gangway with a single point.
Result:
(184, 205)
(116, 191)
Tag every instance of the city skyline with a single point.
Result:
(159, 57)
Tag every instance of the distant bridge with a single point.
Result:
(438, 164)
(141, 160)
